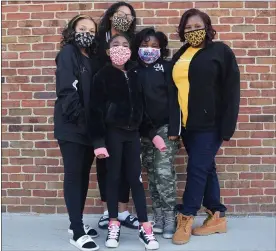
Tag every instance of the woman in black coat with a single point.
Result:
(76, 66)
(207, 82)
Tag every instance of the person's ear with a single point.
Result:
(107, 52)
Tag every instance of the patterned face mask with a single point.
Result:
(84, 39)
(121, 23)
(119, 55)
(196, 37)
(148, 54)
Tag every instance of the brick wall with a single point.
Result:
(31, 164)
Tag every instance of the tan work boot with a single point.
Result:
(183, 229)
(213, 224)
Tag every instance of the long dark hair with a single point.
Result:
(144, 35)
(210, 32)
(68, 34)
(105, 22)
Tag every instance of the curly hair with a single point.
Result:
(68, 34)
(105, 23)
(144, 35)
(210, 31)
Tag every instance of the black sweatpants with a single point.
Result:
(124, 145)
(124, 188)
(77, 160)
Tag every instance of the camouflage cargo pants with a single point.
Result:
(161, 172)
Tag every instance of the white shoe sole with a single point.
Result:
(112, 244)
(81, 248)
(70, 231)
(167, 236)
(150, 247)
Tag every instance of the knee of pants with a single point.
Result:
(135, 181)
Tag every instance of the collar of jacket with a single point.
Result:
(178, 54)
(130, 65)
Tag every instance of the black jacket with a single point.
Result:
(160, 98)
(118, 101)
(214, 94)
(74, 75)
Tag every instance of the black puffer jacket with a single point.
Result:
(118, 101)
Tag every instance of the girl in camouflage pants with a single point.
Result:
(163, 109)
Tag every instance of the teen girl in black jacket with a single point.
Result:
(76, 66)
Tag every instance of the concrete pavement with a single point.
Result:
(49, 233)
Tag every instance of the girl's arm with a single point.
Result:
(98, 105)
(66, 83)
(148, 128)
(174, 108)
(230, 94)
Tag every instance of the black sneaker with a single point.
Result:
(147, 237)
(113, 236)
(103, 222)
(130, 222)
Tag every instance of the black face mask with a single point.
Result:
(84, 39)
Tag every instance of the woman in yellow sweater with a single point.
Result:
(207, 80)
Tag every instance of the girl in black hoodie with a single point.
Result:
(118, 107)
(163, 109)
(76, 66)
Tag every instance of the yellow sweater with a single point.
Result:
(181, 80)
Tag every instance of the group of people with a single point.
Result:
(122, 101)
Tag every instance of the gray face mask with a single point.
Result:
(84, 39)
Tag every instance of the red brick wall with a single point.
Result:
(31, 164)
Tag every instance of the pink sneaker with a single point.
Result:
(147, 237)
(113, 236)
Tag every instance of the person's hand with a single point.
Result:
(101, 156)
(173, 138)
(101, 153)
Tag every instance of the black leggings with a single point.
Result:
(124, 145)
(124, 188)
(77, 160)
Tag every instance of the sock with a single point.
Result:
(106, 212)
(122, 216)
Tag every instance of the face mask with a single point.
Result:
(196, 37)
(121, 23)
(148, 54)
(119, 55)
(84, 39)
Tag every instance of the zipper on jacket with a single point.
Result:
(130, 99)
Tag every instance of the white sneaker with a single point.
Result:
(147, 237)
(113, 236)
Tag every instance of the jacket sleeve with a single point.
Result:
(174, 108)
(66, 84)
(230, 94)
(147, 128)
(97, 111)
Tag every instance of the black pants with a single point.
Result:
(77, 160)
(202, 183)
(124, 188)
(124, 145)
